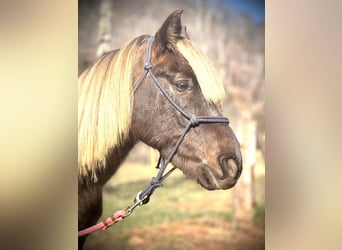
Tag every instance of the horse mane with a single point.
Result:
(206, 74)
(105, 107)
(105, 100)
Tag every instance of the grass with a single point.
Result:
(181, 207)
(178, 199)
(259, 210)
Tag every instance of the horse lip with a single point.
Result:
(210, 181)
(206, 178)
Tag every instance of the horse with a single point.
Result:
(117, 108)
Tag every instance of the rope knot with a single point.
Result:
(147, 66)
(194, 121)
(155, 183)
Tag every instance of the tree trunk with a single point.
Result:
(243, 193)
(105, 28)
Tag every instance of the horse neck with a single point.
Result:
(115, 157)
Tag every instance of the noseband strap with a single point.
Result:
(193, 121)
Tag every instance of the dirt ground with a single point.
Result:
(197, 237)
(191, 234)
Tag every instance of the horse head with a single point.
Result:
(209, 153)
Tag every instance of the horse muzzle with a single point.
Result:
(223, 176)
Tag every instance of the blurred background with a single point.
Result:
(38, 131)
(182, 215)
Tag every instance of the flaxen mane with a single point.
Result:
(105, 100)
(104, 107)
(207, 76)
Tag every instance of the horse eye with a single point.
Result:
(183, 85)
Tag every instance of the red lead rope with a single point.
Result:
(118, 216)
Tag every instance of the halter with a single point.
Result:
(143, 196)
(193, 121)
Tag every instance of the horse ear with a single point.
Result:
(170, 32)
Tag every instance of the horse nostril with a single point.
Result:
(229, 167)
(232, 168)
